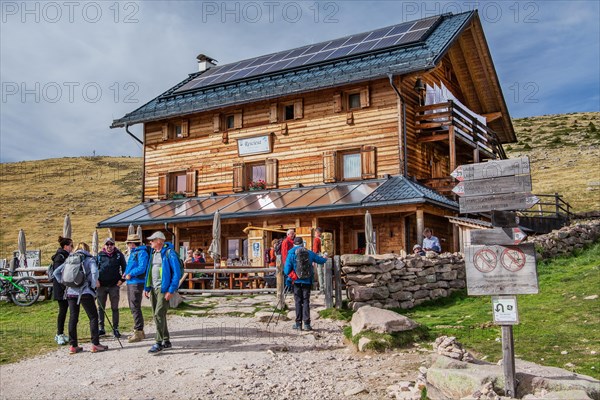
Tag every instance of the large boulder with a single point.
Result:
(380, 321)
(349, 260)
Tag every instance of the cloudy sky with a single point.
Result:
(69, 68)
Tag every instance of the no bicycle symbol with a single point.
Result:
(486, 259)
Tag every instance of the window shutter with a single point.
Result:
(337, 103)
(165, 132)
(217, 123)
(271, 173)
(185, 128)
(329, 167)
(364, 98)
(237, 120)
(273, 113)
(162, 186)
(298, 109)
(239, 177)
(368, 161)
(190, 183)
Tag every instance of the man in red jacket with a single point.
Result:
(287, 244)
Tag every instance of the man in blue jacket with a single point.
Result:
(162, 280)
(301, 285)
(135, 275)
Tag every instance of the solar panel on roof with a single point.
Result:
(383, 38)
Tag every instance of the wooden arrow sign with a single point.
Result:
(510, 201)
(492, 169)
(505, 184)
(499, 236)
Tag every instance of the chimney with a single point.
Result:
(205, 62)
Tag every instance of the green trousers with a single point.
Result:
(159, 310)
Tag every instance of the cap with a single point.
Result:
(157, 235)
(298, 240)
(109, 240)
(133, 239)
(417, 246)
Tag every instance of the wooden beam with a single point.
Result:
(468, 56)
(489, 117)
(433, 138)
(452, 148)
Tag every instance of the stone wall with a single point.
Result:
(565, 240)
(390, 281)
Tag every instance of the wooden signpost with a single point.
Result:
(496, 262)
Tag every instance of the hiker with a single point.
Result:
(111, 265)
(162, 280)
(299, 274)
(135, 274)
(270, 255)
(58, 290)
(287, 244)
(316, 248)
(81, 292)
(418, 250)
(430, 242)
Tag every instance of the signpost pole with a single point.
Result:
(508, 360)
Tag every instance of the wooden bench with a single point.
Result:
(191, 276)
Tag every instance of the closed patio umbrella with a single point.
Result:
(370, 248)
(67, 227)
(139, 232)
(95, 243)
(130, 230)
(215, 246)
(22, 249)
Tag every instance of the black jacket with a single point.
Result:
(111, 268)
(58, 259)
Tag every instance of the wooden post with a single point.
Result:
(280, 282)
(176, 240)
(452, 147)
(337, 273)
(556, 198)
(508, 360)
(328, 284)
(420, 227)
(476, 153)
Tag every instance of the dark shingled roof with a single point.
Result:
(400, 190)
(366, 66)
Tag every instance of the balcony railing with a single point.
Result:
(434, 122)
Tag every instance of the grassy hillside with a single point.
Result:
(565, 153)
(36, 196)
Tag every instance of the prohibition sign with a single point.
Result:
(485, 260)
(512, 259)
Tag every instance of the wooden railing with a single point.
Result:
(550, 205)
(433, 121)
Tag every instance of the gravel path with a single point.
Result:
(217, 357)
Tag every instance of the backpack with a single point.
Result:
(181, 267)
(304, 268)
(50, 269)
(278, 247)
(270, 256)
(74, 272)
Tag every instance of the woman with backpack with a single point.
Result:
(58, 290)
(79, 273)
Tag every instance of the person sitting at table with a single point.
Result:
(418, 250)
(430, 242)
(197, 256)
(189, 256)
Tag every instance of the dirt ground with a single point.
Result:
(217, 357)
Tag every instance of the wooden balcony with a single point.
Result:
(450, 122)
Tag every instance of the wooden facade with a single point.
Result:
(310, 136)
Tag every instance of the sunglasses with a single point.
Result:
(110, 244)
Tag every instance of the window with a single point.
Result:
(234, 248)
(350, 164)
(360, 241)
(353, 101)
(175, 130)
(226, 122)
(288, 112)
(229, 122)
(255, 176)
(257, 172)
(179, 183)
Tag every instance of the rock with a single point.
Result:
(359, 293)
(377, 269)
(364, 278)
(356, 259)
(362, 342)
(592, 297)
(395, 286)
(355, 389)
(381, 321)
(381, 293)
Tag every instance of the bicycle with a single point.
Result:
(22, 291)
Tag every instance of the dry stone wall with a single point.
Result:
(565, 240)
(391, 281)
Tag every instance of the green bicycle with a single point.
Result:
(22, 291)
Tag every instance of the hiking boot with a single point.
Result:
(101, 332)
(307, 327)
(137, 336)
(167, 344)
(116, 333)
(97, 348)
(61, 339)
(297, 326)
(75, 349)
(65, 338)
(157, 347)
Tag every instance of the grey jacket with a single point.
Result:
(91, 273)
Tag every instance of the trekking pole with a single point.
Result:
(110, 323)
(285, 293)
(277, 306)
